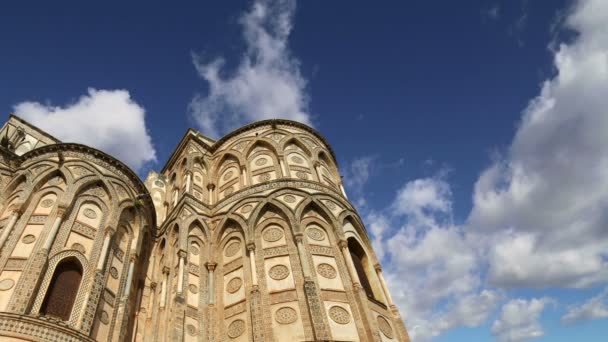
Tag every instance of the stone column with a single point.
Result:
(257, 318)
(244, 175)
(254, 273)
(211, 187)
(283, 168)
(349, 263)
(318, 170)
(104, 249)
(48, 243)
(210, 282)
(15, 214)
(387, 295)
(180, 276)
(130, 277)
(303, 256)
(188, 181)
(151, 300)
(163, 289)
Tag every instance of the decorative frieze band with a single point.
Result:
(276, 251)
(84, 229)
(321, 250)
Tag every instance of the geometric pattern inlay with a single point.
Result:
(326, 271)
(339, 315)
(278, 272)
(286, 315)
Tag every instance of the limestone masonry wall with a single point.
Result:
(248, 238)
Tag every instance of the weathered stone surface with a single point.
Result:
(248, 237)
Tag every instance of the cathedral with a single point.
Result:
(247, 238)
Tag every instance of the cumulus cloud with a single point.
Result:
(548, 197)
(109, 120)
(431, 267)
(266, 84)
(519, 320)
(594, 308)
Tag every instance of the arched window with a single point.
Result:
(62, 291)
(359, 258)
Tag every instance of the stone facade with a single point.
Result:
(248, 238)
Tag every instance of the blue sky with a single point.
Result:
(471, 134)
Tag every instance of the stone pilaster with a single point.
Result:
(317, 311)
(257, 319)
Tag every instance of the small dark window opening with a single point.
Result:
(62, 291)
(358, 254)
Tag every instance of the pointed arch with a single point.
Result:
(296, 142)
(228, 176)
(261, 142)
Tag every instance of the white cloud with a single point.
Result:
(594, 308)
(356, 176)
(108, 120)
(431, 267)
(548, 197)
(266, 84)
(519, 320)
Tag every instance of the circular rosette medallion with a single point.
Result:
(286, 315)
(278, 272)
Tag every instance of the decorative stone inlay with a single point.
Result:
(197, 179)
(339, 315)
(228, 175)
(232, 249)
(114, 272)
(191, 330)
(315, 234)
(28, 239)
(104, 317)
(234, 285)
(273, 234)
(278, 272)
(290, 198)
(228, 191)
(302, 175)
(47, 203)
(385, 327)
(6, 284)
(331, 205)
(297, 160)
(159, 183)
(78, 247)
(197, 195)
(193, 288)
(194, 250)
(246, 208)
(286, 315)
(264, 177)
(261, 162)
(327, 271)
(90, 213)
(236, 328)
